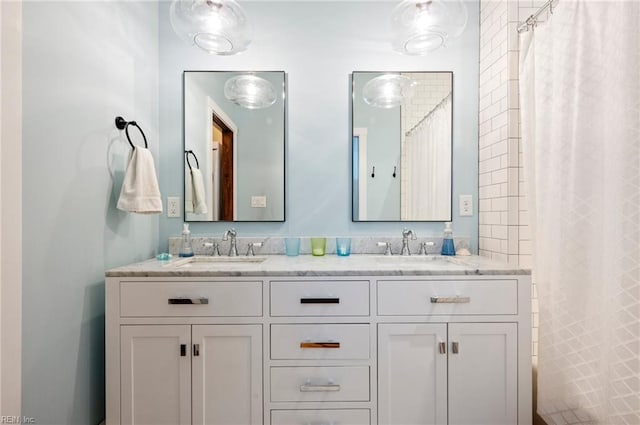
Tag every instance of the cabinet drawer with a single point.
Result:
(324, 416)
(177, 299)
(415, 297)
(348, 383)
(320, 298)
(320, 342)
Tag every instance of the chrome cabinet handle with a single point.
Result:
(307, 388)
(442, 346)
(455, 347)
(450, 300)
(188, 301)
(327, 300)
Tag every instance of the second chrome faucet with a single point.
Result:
(405, 241)
(231, 236)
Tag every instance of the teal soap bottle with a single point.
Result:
(448, 247)
(186, 250)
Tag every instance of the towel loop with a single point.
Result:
(186, 156)
(121, 124)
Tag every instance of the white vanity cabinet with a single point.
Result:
(320, 362)
(286, 348)
(155, 374)
(454, 352)
(184, 352)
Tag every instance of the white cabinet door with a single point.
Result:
(483, 380)
(412, 374)
(227, 374)
(155, 375)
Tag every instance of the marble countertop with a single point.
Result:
(308, 265)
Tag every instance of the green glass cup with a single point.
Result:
(318, 246)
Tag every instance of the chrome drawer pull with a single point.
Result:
(179, 301)
(320, 344)
(319, 300)
(450, 300)
(455, 347)
(442, 346)
(308, 388)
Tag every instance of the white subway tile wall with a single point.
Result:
(504, 232)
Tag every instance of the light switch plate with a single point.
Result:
(258, 202)
(173, 206)
(466, 205)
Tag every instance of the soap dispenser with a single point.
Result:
(447, 241)
(186, 250)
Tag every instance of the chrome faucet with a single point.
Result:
(405, 241)
(231, 235)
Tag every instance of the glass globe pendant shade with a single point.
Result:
(250, 91)
(216, 26)
(422, 26)
(388, 90)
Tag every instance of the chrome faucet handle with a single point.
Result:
(250, 247)
(215, 248)
(423, 248)
(387, 246)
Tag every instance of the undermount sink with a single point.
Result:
(207, 261)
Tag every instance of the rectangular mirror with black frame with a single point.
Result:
(402, 146)
(234, 145)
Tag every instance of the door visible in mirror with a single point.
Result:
(402, 146)
(234, 145)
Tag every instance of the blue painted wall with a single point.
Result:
(319, 44)
(83, 64)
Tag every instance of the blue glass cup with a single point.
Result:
(292, 246)
(343, 246)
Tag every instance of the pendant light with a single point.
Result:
(388, 90)
(219, 27)
(422, 26)
(250, 91)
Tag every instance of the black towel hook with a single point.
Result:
(186, 156)
(121, 124)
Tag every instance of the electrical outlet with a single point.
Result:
(173, 206)
(465, 205)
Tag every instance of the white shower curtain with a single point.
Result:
(427, 164)
(580, 105)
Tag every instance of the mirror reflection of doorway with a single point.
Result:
(222, 175)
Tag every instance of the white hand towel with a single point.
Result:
(199, 199)
(188, 192)
(140, 192)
